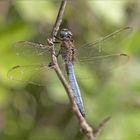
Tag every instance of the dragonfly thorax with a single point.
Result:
(65, 33)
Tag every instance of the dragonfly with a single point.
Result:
(68, 52)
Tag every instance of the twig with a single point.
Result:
(98, 130)
(58, 19)
(85, 127)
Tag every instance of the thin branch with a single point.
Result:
(98, 130)
(58, 19)
(85, 127)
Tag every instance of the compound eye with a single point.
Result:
(65, 33)
(70, 33)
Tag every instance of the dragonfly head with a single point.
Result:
(65, 33)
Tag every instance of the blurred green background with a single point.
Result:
(32, 112)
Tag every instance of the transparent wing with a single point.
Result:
(106, 52)
(106, 61)
(110, 44)
(38, 74)
(33, 60)
(30, 49)
(103, 55)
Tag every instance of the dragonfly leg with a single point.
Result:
(58, 38)
(56, 42)
(51, 64)
(58, 53)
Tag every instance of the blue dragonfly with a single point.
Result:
(68, 52)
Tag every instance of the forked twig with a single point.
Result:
(102, 124)
(85, 127)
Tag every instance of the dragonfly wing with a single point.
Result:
(109, 60)
(101, 66)
(30, 48)
(106, 53)
(34, 59)
(36, 74)
(28, 53)
(110, 44)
